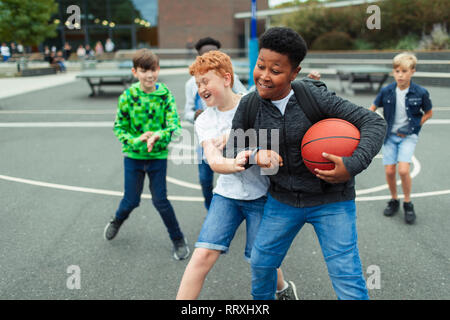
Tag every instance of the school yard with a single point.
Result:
(61, 179)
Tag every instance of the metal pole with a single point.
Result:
(252, 46)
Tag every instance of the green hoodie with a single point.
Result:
(138, 112)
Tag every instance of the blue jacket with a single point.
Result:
(417, 102)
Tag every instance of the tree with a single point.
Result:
(27, 21)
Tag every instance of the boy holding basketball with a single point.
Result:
(406, 107)
(296, 196)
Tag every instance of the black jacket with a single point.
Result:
(294, 184)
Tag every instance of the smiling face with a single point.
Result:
(273, 74)
(212, 87)
(147, 78)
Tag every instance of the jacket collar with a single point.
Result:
(412, 87)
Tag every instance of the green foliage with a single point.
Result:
(402, 23)
(409, 42)
(27, 21)
(334, 40)
(438, 39)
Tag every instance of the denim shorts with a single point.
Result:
(224, 217)
(397, 149)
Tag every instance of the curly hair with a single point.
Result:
(213, 60)
(207, 41)
(285, 41)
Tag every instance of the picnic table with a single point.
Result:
(362, 74)
(98, 78)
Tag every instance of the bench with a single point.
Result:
(37, 71)
(362, 74)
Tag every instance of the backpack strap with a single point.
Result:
(303, 95)
(251, 110)
(306, 100)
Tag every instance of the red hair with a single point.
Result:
(213, 60)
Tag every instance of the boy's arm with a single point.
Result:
(122, 124)
(427, 115)
(371, 126)
(189, 107)
(172, 126)
(426, 107)
(236, 141)
(223, 165)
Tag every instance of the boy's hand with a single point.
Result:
(315, 75)
(145, 136)
(268, 159)
(151, 142)
(241, 160)
(338, 175)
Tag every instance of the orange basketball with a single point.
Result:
(333, 136)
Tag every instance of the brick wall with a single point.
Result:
(180, 21)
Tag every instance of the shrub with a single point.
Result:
(437, 40)
(334, 40)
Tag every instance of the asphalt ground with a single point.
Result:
(60, 185)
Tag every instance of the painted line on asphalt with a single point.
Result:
(183, 198)
(90, 190)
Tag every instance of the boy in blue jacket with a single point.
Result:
(406, 107)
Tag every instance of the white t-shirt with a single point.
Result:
(281, 104)
(245, 185)
(401, 118)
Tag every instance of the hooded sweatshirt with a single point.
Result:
(138, 112)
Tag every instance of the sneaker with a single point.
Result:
(290, 293)
(180, 249)
(112, 228)
(410, 215)
(392, 207)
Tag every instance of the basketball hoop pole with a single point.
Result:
(252, 46)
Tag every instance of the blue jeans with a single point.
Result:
(399, 149)
(335, 227)
(156, 169)
(206, 177)
(224, 217)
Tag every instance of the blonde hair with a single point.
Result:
(212, 60)
(405, 59)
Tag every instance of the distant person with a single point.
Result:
(6, 53)
(67, 51)
(99, 48)
(59, 60)
(109, 45)
(20, 48)
(146, 120)
(81, 52)
(406, 107)
(47, 55)
(194, 107)
(89, 52)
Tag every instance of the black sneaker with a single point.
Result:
(180, 249)
(112, 228)
(392, 207)
(290, 293)
(410, 215)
